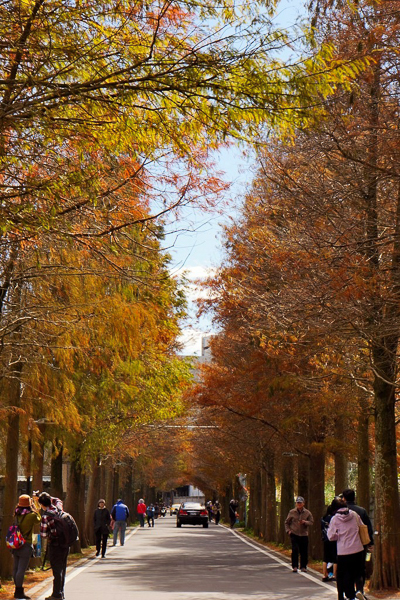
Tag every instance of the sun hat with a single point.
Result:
(24, 501)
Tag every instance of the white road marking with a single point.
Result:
(281, 562)
(78, 570)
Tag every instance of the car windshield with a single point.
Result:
(191, 505)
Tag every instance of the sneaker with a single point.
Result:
(97, 553)
(360, 596)
(326, 579)
(294, 570)
(304, 570)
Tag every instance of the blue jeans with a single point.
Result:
(121, 527)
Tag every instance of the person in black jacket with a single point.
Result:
(233, 506)
(101, 521)
(330, 550)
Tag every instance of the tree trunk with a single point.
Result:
(287, 496)
(384, 349)
(128, 491)
(75, 502)
(10, 491)
(363, 466)
(13, 390)
(110, 501)
(37, 466)
(255, 495)
(251, 509)
(316, 502)
(103, 481)
(91, 502)
(270, 499)
(386, 572)
(303, 477)
(56, 488)
(116, 489)
(341, 462)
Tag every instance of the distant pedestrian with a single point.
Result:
(209, 510)
(101, 522)
(297, 523)
(150, 515)
(330, 550)
(58, 552)
(344, 529)
(233, 506)
(216, 510)
(141, 511)
(26, 515)
(120, 514)
(156, 510)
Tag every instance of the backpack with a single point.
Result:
(324, 530)
(66, 528)
(14, 538)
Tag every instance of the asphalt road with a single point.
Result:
(190, 563)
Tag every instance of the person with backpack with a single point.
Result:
(101, 522)
(26, 515)
(60, 531)
(150, 515)
(120, 514)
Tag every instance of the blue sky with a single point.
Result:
(196, 248)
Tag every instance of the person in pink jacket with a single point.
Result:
(344, 529)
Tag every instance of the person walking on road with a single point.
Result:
(150, 515)
(141, 511)
(27, 515)
(344, 529)
(101, 522)
(349, 496)
(330, 550)
(58, 552)
(216, 510)
(297, 523)
(233, 506)
(120, 514)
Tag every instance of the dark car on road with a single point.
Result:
(192, 513)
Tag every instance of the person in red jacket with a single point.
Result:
(141, 511)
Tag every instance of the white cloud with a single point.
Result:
(191, 341)
(195, 272)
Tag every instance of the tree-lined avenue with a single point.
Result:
(191, 563)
